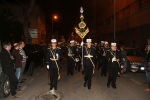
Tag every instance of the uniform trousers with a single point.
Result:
(99, 62)
(104, 66)
(53, 77)
(78, 65)
(70, 65)
(88, 70)
(112, 76)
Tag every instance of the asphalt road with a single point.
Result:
(129, 87)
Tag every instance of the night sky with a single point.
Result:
(68, 12)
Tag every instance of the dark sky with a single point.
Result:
(68, 12)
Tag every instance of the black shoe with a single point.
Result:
(67, 73)
(114, 87)
(82, 72)
(21, 81)
(55, 88)
(108, 85)
(24, 79)
(84, 84)
(89, 88)
(75, 68)
(105, 75)
(71, 74)
(101, 74)
(51, 88)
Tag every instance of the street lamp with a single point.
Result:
(53, 18)
(114, 20)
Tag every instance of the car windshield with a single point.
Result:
(134, 52)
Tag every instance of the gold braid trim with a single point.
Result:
(90, 60)
(79, 56)
(56, 64)
(72, 57)
(114, 55)
(103, 50)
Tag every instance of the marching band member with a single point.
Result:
(89, 54)
(53, 63)
(71, 54)
(114, 58)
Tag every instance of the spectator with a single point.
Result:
(147, 65)
(22, 52)
(7, 62)
(18, 59)
(124, 59)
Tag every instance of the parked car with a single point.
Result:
(35, 58)
(4, 84)
(135, 60)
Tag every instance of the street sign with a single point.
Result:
(33, 33)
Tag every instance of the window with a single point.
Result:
(134, 52)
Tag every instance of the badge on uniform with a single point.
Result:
(76, 59)
(57, 56)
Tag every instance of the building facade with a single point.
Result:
(125, 21)
(37, 20)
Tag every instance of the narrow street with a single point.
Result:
(129, 87)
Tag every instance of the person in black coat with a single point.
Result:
(114, 59)
(53, 63)
(7, 62)
(104, 60)
(71, 54)
(147, 65)
(89, 54)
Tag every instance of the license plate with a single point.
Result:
(142, 68)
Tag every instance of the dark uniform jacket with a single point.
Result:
(78, 54)
(97, 50)
(7, 62)
(53, 54)
(88, 61)
(73, 51)
(115, 64)
(104, 50)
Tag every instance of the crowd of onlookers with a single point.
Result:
(13, 61)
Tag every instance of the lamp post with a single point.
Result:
(114, 20)
(54, 17)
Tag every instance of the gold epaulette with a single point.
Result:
(108, 50)
(53, 59)
(88, 56)
(58, 47)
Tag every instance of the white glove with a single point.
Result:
(76, 59)
(47, 66)
(113, 59)
(123, 59)
(82, 43)
(122, 66)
